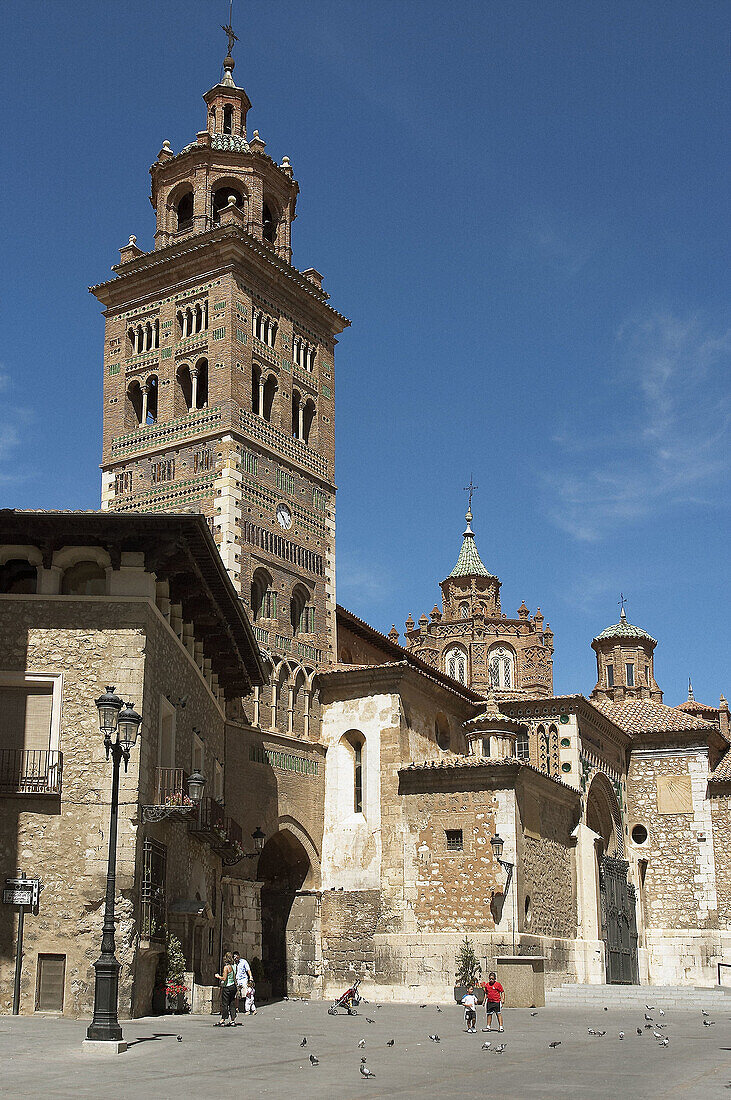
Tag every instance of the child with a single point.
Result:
(470, 1010)
(249, 1005)
(494, 997)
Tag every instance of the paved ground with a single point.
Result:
(263, 1058)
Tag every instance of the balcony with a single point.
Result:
(30, 771)
(171, 796)
(224, 835)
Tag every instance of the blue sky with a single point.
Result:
(522, 208)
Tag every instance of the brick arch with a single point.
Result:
(603, 815)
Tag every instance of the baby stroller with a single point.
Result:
(348, 1001)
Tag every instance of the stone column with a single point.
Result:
(194, 388)
(145, 391)
(261, 396)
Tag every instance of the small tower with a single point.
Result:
(493, 734)
(624, 659)
(474, 642)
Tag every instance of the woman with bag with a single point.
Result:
(229, 990)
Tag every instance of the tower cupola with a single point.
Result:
(624, 658)
(470, 587)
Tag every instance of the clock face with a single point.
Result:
(284, 516)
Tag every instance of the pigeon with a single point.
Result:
(534, 1013)
(435, 1038)
(486, 1046)
(664, 1042)
(661, 1011)
(704, 1013)
(621, 1034)
(180, 1038)
(649, 1027)
(422, 1006)
(708, 1023)
(304, 1041)
(499, 1049)
(606, 1009)
(648, 1017)
(662, 1025)
(438, 1009)
(369, 1021)
(390, 1042)
(657, 1034)
(314, 1061)
(600, 1034)
(557, 1043)
(650, 1008)
(591, 1031)
(379, 1006)
(639, 1030)
(364, 1071)
(361, 1043)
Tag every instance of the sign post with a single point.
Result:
(25, 893)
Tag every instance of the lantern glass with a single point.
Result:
(497, 845)
(196, 784)
(258, 837)
(108, 705)
(128, 724)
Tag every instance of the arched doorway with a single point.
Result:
(616, 896)
(288, 913)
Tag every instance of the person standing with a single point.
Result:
(244, 981)
(228, 992)
(494, 997)
(470, 1010)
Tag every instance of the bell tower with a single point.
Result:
(219, 384)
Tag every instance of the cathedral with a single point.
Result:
(400, 796)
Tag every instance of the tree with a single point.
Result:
(468, 966)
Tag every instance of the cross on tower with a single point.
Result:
(470, 489)
(622, 601)
(228, 29)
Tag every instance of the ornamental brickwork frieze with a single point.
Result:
(535, 663)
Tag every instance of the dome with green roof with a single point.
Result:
(469, 562)
(623, 629)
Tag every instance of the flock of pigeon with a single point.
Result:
(650, 1025)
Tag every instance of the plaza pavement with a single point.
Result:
(42, 1056)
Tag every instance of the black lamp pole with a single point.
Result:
(113, 718)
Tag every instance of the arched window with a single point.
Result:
(296, 411)
(85, 578)
(220, 198)
(501, 662)
(308, 419)
(18, 576)
(150, 389)
(543, 749)
(228, 119)
(354, 743)
(255, 389)
(263, 596)
(184, 381)
(268, 224)
(134, 398)
(522, 746)
(184, 210)
(297, 607)
(270, 388)
(455, 663)
(441, 731)
(346, 657)
(200, 396)
(464, 611)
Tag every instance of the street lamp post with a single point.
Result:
(119, 724)
(497, 847)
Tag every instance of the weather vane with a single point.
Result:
(470, 489)
(228, 29)
(622, 601)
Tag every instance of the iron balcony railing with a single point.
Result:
(224, 834)
(172, 788)
(30, 771)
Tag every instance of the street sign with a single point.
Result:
(18, 895)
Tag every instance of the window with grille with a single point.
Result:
(286, 481)
(250, 463)
(610, 676)
(153, 912)
(319, 500)
(455, 664)
(501, 662)
(522, 747)
(630, 674)
(454, 840)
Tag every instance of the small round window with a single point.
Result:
(639, 834)
(565, 743)
(566, 767)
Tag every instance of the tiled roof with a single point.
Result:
(469, 562)
(623, 629)
(230, 143)
(643, 716)
(452, 760)
(691, 706)
(722, 772)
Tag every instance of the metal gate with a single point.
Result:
(619, 921)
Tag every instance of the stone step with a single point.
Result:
(640, 995)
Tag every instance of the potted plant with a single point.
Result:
(468, 969)
(175, 987)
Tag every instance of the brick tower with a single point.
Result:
(473, 640)
(219, 381)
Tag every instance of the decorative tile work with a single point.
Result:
(284, 444)
(160, 435)
(285, 761)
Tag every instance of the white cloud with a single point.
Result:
(668, 441)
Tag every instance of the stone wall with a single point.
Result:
(720, 805)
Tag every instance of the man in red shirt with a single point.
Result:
(494, 997)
